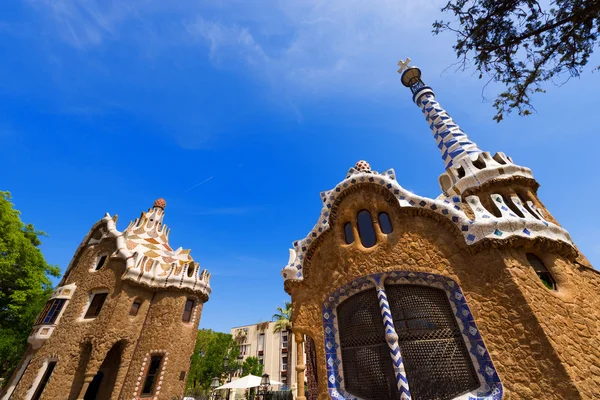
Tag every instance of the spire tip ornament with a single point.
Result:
(403, 65)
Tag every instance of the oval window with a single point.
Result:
(384, 223)
(366, 231)
(348, 234)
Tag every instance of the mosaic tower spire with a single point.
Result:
(452, 141)
(467, 167)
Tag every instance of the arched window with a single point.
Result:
(190, 270)
(541, 271)
(384, 223)
(366, 231)
(135, 307)
(348, 233)
(101, 262)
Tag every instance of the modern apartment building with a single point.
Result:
(275, 350)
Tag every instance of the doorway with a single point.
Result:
(102, 385)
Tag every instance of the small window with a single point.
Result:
(541, 271)
(50, 312)
(348, 234)
(101, 262)
(384, 223)
(95, 305)
(44, 381)
(135, 307)
(366, 230)
(187, 311)
(190, 271)
(151, 375)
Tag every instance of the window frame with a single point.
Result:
(190, 312)
(541, 270)
(98, 265)
(56, 312)
(91, 299)
(366, 228)
(42, 379)
(139, 303)
(389, 221)
(157, 376)
(348, 232)
(490, 386)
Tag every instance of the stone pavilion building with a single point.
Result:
(122, 322)
(477, 294)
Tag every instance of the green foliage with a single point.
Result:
(523, 43)
(252, 366)
(24, 283)
(283, 318)
(207, 360)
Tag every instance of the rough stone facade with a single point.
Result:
(114, 343)
(526, 340)
(544, 344)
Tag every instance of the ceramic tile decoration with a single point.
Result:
(484, 226)
(150, 260)
(490, 386)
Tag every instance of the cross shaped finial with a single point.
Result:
(403, 65)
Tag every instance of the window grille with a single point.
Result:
(436, 359)
(367, 363)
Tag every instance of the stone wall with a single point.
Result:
(544, 344)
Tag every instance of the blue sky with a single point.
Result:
(239, 113)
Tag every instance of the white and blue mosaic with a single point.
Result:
(484, 226)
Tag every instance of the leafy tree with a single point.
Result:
(283, 318)
(24, 283)
(523, 43)
(252, 366)
(207, 361)
(283, 322)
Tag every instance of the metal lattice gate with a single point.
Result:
(367, 363)
(437, 362)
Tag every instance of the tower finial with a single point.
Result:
(452, 141)
(160, 203)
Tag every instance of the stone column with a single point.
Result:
(300, 366)
(89, 376)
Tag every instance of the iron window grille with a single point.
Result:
(419, 326)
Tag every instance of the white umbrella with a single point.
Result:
(248, 381)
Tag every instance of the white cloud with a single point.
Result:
(305, 46)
